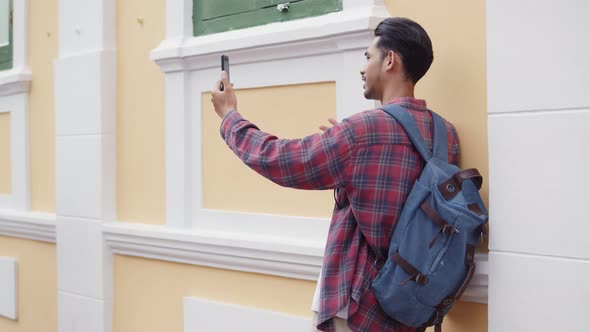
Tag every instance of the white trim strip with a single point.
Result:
(275, 256)
(286, 257)
(478, 287)
(330, 33)
(20, 34)
(28, 225)
(14, 81)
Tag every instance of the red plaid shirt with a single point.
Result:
(370, 161)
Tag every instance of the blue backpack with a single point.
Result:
(431, 253)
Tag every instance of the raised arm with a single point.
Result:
(319, 161)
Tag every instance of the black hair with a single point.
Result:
(410, 41)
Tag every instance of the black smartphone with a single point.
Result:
(224, 67)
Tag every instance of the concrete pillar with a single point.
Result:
(539, 131)
(85, 80)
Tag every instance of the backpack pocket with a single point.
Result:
(446, 270)
(396, 295)
(452, 264)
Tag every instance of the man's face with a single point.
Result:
(371, 72)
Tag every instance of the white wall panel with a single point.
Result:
(541, 294)
(82, 314)
(82, 28)
(81, 258)
(8, 287)
(78, 171)
(538, 54)
(81, 83)
(202, 315)
(538, 183)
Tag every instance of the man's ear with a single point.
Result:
(390, 60)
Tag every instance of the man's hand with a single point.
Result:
(223, 101)
(332, 121)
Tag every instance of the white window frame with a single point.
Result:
(14, 100)
(328, 48)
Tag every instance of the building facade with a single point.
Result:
(121, 209)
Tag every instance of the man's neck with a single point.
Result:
(399, 91)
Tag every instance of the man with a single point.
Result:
(369, 161)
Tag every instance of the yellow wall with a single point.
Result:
(455, 86)
(295, 120)
(43, 46)
(37, 285)
(141, 188)
(5, 175)
(154, 291)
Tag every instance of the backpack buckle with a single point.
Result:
(421, 279)
(447, 301)
(449, 230)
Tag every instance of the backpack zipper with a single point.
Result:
(441, 253)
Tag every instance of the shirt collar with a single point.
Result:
(409, 102)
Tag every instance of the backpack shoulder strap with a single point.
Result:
(440, 143)
(409, 125)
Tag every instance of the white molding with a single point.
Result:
(354, 4)
(14, 81)
(285, 256)
(329, 33)
(28, 225)
(179, 171)
(478, 287)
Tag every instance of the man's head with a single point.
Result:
(400, 54)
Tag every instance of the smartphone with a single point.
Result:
(224, 67)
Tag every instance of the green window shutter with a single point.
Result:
(211, 16)
(216, 8)
(6, 51)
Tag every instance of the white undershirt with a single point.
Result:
(315, 305)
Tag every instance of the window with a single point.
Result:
(5, 34)
(210, 16)
(14, 95)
